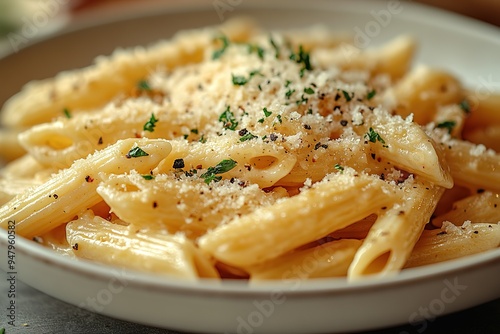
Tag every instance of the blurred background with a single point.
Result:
(48, 15)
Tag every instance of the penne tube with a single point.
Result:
(256, 161)
(331, 259)
(275, 230)
(452, 242)
(422, 92)
(58, 200)
(472, 166)
(478, 208)
(94, 86)
(395, 232)
(94, 238)
(181, 204)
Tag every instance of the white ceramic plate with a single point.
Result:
(326, 305)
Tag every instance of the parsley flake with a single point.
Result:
(266, 112)
(239, 80)
(222, 167)
(447, 125)
(143, 85)
(150, 125)
(136, 152)
(228, 120)
(275, 46)
(257, 49)
(339, 168)
(465, 106)
(225, 43)
(302, 57)
(147, 177)
(374, 136)
(67, 113)
(247, 136)
(346, 96)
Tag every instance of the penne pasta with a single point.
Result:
(230, 152)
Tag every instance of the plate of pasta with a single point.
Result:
(258, 162)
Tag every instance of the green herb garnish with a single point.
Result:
(339, 168)
(150, 125)
(67, 113)
(228, 120)
(373, 136)
(302, 57)
(143, 85)
(371, 94)
(346, 96)
(309, 90)
(447, 125)
(222, 167)
(136, 152)
(239, 80)
(465, 106)
(147, 177)
(247, 136)
(257, 49)
(266, 112)
(275, 46)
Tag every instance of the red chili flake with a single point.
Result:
(89, 179)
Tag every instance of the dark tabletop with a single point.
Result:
(39, 313)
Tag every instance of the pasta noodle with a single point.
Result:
(230, 152)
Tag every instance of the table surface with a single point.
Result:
(39, 313)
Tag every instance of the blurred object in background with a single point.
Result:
(484, 10)
(23, 21)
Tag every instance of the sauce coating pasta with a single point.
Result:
(235, 152)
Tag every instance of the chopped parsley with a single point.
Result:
(150, 125)
(143, 85)
(136, 152)
(374, 136)
(225, 43)
(447, 125)
(302, 57)
(465, 106)
(289, 93)
(222, 167)
(228, 120)
(275, 46)
(67, 113)
(309, 90)
(371, 94)
(147, 177)
(279, 118)
(257, 49)
(267, 113)
(346, 96)
(245, 135)
(202, 139)
(240, 80)
(339, 168)
(195, 131)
